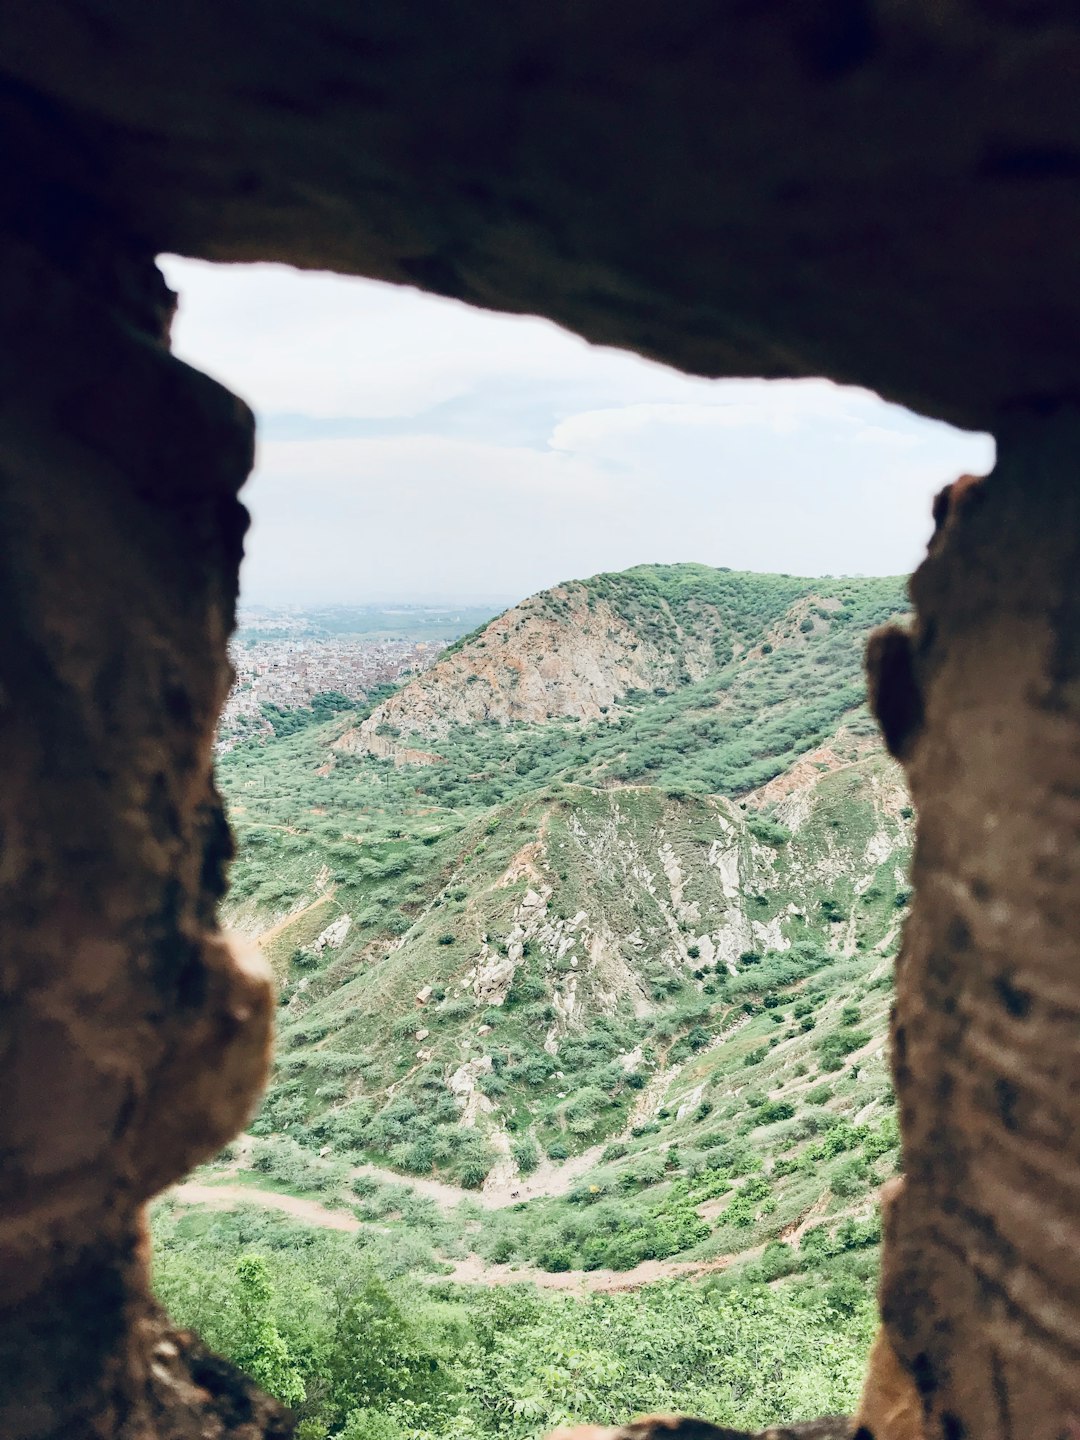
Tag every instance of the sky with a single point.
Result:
(413, 448)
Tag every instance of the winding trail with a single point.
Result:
(550, 1178)
(227, 1197)
(474, 1270)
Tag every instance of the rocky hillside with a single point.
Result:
(634, 941)
(554, 654)
(585, 649)
(581, 947)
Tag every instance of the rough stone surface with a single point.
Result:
(565, 652)
(981, 1290)
(883, 191)
(133, 1036)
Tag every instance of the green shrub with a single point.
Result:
(526, 1155)
(850, 1178)
(833, 1048)
(769, 832)
(775, 1110)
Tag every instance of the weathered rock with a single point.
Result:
(530, 665)
(135, 1036)
(494, 976)
(333, 937)
(981, 1290)
(879, 192)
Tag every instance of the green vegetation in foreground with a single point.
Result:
(365, 1357)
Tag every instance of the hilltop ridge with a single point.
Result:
(581, 649)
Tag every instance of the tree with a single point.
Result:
(260, 1350)
(379, 1361)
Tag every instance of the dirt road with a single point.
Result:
(473, 1270)
(227, 1197)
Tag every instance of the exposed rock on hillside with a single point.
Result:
(572, 932)
(563, 652)
(578, 908)
(718, 650)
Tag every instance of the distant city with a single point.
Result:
(285, 658)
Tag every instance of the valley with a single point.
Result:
(584, 941)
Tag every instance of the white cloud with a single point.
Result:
(443, 450)
(321, 345)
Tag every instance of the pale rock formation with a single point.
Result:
(333, 937)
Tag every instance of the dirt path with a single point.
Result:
(445, 1195)
(227, 1197)
(546, 1181)
(549, 1180)
(473, 1270)
(274, 931)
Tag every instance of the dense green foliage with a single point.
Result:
(360, 1356)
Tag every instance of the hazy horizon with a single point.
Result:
(413, 449)
(505, 601)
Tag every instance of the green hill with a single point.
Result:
(585, 975)
(485, 960)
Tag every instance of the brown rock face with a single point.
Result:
(133, 1036)
(981, 1291)
(532, 664)
(882, 191)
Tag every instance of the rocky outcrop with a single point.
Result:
(358, 740)
(134, 1036)
(333, 937)
(560, 653)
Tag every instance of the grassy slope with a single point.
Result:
(654, 881)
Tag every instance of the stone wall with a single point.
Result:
(133, 1037)
(882, 191)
